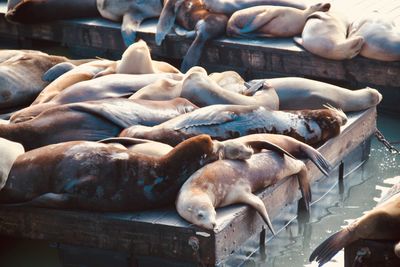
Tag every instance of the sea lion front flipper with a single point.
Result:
(57, 70)
(167, 19)
(304, 184)
(258, 204)
(109, 70)
(183, 32)
(257, 146)
(124, 141)
(130, 24)
(327, 249)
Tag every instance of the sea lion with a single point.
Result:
(91, 120)
(136, 59)
(202, 91)
(131, 13)
(21, 74)
(192, 15)
(228, 7)
(106, 177)
(381, 223)
(325, 35)
(300, 93)
(224, 122)
(381, 36)
(230, 80)
(226, 182)
(109, 86)
(271, 21)
(9, 153)
(34, 11)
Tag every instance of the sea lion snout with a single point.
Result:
(232, 150)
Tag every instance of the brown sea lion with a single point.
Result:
(300, 93)
(230, 6)
(325, 35)
(91, 120)
(380, 223)
(381, 36)
(224, 122)
(106, 177)
(109, 86)
(271, 21)
(34, 11)
(131, 13)
(136, 59)
(9, 153)
(192, 15)
(21, 74)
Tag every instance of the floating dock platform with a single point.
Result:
(252, 58)
(162, 238)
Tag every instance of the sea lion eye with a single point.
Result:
(200, 215)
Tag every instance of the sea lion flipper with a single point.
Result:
(258, 204)
(130, 24)
(327, 249)
(260, 145)
(57, 70)
(298, 40)
(193, 54)
(318, 159)
(304, 184)
(167, 19)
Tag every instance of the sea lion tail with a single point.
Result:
(327, 249)
(167, 19)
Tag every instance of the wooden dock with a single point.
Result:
(152, 238)
(256, 58)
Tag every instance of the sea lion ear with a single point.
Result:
(167, 19)
(325, 7)
(56, 71)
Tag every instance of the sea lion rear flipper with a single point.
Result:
(167, 19)
(257, 146)
(130, 24)
(304, 184)
(327, 249)
(318, 159)
(258, 204)
(57, 70)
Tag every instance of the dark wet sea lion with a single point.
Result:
(223, 122)
(325, 35)
(226, 182)
(92, 120)
(192, 15)
(230, 6)
(271, 21)
(34, 11)
(380, 223)
(131, 13)
(105, 177)
(21, 74)
(109, 86)
(381, 36)
(9, 153)
(300, 93)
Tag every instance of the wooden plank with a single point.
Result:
(162, 233)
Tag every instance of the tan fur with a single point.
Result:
(271, 21)
(9, 153)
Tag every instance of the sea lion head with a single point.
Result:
(232, 150)
(195, 206)
(136, 59)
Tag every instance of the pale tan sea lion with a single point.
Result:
(300, 93)
(325, 35)
(106, 177)
(9, 153)
(271, 21)
(229, 80)
(381, 36)
(131, 13)
(34, 11)
(230, 6)
(380, 223)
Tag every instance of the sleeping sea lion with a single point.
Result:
(226, 182)
(271, 21)
(91, 120)
(106, 177)
(224, 122)
(192, 15)
(381, 36)
(380, 223)
(325, 35)
(21, 74)
(9, 153)
(131, 13)
(228, 7)
(136, 59)
(34, 11)
(300, 93)
(109, 86)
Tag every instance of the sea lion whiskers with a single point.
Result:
(339, 111)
